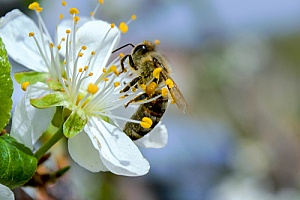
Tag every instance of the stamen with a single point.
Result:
(35, 6)
(92, 89)
(156, 72)
(61, 16)
(116, 84)
(76, 19)
(73, 11)
(157, 42)
(31, 34)
(121, 55)
(114, 69)
(133, 17)
(143, 86)
(123, 27)
(169, 83)
(164, 92)
(150, 89)
(24, 85)
(101, 1)
(146, 122)
(112, 25)
(63, 3)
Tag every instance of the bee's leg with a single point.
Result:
(140, 97)
(131, 63)
(131, 84)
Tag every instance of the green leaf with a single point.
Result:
(6, 87)
(17, 164)
(74, 124)
(31, 77)
(50, 100)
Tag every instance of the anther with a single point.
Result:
(106, 79)
(61, 16)
(103, 70)
(33, 5)
(156, 72)
(146, 122)
(86, 67)
(114, 69)
(76, 19)
(150, 89)
(133, 17)
(92, 88)
(169, 83)
(58, 47)
(80, 69)
(80, 54)
(93, 53)
(112, 25)
(51, 45)
(31, 34)
(68, 31)
(24, 85)
(101, 1)
(83, 47)
(63, 3)
(91, 74)
(143, 86)
(121, 55)
(116, 84)
(123, 27)
(157, 42)
(164, 92)
(73, 11)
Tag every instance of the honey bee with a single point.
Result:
(145, 59)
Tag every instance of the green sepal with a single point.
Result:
(57, 117)
(54, 85)
(50, 100)
(32, 77)
(74, 123)
(17, 164)
(6, 88)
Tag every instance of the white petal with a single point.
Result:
(14, 30)
(29, 123)
(6, 193)
(117, 152)
(157, 138)
(83, 152)
(93, 35)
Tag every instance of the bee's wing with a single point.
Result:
(176, 94)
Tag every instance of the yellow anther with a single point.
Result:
(63, 3)
(80, 69)
(86, 67)
(80, 54)
(39, 9)
(76, 19)
(143, 86)
(73, 11)
(101, 1)
(150, 89)
(91, 74)
(51, 45)
(63, 39)
(93, 53)
(31, 34)
(58, 47)
(103, 70)
(133, 17)
(112, 25)
(156, 72)
(33, 6)
(92, 88)
(123, 27)
(157, 42)
(24, 85)
(105, 79)
(146, 122)
(61, 16)
(116, 84)
(169, 83)
(121, 55)
(83, 47)
(114, 69)
(164, 92)
(68, 31)
(133, 89)
(92, 13)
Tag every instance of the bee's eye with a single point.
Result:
(142, 49)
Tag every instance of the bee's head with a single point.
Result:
(143, 48)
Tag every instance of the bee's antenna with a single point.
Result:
(122, 47)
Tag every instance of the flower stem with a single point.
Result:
(52, 141)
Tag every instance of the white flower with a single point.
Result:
(6, 193)
(81, 80)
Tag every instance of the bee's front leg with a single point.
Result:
(131, 84)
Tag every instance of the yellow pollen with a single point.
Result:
(169, 83)
(114, 69)
(105, 79)
(143, 86)
(91, 13)
(76, 19)
(80, 69)
(68, 31)
(80, 54)
(86, 67)
(112, 25)
(101, 1)
(91, 74)
(51, 45)
(146, 122)
(133, 89)
(103, 70)
(116, 84)
(150, 89)
(31, 34)
(133, 17)
(157, 42)
(164, 92)
(93, 53)
(63, 3)
(63, 39)
(83, 47)
(39, 9)
(65, 62)
(24, 85)
(33, 5)
(156, 72)
(121, 55)
(61, 16)
(73, 11)
(58, 47)
(123, 27)
(92, 88)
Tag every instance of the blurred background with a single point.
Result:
(238, 65)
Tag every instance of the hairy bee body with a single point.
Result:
(154, 110)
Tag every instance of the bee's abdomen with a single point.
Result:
(154, 110)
